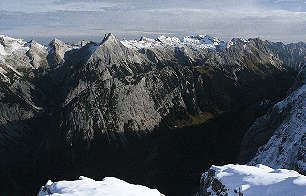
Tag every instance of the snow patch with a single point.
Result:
(109, 186)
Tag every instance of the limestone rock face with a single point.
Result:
(293, 55)
(57, 50)
(37, 54)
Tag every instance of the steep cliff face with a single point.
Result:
(83, 101)
(277, 139)
(293, 55)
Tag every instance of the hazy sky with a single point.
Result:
(283, 20)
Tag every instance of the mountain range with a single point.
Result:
(156, 112)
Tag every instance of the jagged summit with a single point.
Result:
(109, 37)
(35, 44)
(112, 51)
(56, 42)
(110, 40)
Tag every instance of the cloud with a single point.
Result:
(281, 1)
(133, 18)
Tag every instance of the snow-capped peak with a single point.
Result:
(204, 41)
(9, 46)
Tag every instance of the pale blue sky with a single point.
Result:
(276, 20)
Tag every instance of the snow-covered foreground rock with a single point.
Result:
(259, 180)
(109, 186)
